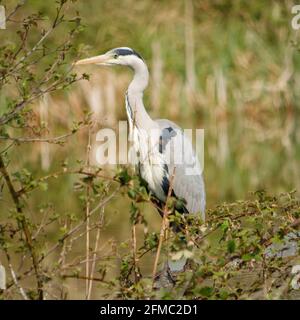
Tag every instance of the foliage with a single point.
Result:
(81, 226)
(228, 254)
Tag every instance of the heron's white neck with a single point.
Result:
(139, 83)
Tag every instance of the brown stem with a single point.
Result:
(134, 255)
(60, 139)
(24, 227)
(67, 235)
(163, 230)
(95, 253)
(87, 216)
(84, 278)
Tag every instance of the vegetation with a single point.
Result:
(70, 229)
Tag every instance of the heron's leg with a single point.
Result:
(164, 278)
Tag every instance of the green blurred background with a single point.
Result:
(230, 67)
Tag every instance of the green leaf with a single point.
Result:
(131, 194)
(134, 213)
(223, 294)
(231, 246)
(246, 257)
(225, 226)
(206, 291)
(123, 176)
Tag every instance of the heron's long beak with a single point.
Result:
(102, 59)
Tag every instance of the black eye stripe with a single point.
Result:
(127, 52)
(123, 52)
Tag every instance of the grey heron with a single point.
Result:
(157, 141)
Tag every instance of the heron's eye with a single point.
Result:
(115, 56)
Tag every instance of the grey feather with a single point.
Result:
(189, 187)
(165, 137)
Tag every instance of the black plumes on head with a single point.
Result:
(127, 52)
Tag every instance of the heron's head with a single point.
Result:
(119, 56)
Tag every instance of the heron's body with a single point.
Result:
(157, 143)
(152, 139)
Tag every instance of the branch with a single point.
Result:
(95, 253)
(24, 227)
(14, 277)
(58, 140)
(84, 278)
(87, 214)
(164, 227)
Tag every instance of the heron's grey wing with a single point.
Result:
(188, 181)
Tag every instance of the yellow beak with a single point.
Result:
(102, 59)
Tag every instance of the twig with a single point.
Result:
(19, 65)
(24, 226)
(87, 214)
(63, 172)
(95, 255)
(84, 278)
(14, 277)
(77, 227)
(63, 252)
(17, 7)
(6, 148)
(164, 227)
(61, 240)
(59, 139)
(134, 255)
(38, 43)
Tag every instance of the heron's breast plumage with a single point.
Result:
(151, 163)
